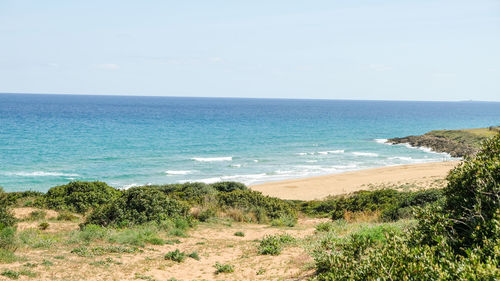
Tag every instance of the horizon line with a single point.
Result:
(221, 97)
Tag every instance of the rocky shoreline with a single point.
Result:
(457, 143)
(437, 144)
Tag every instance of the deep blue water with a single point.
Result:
(47, 140)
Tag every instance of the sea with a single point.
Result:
(125, 141)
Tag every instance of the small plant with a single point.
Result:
(261, 271)
(324, 227)
(10, 274)
(194, 255)
(176, 256)
(173, 241)
(273, 244)
(66, 216)
(143, 277)
(37, 215)
(239, 233)
(43, 226)
(223, 268)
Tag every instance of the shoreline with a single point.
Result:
(319, 187)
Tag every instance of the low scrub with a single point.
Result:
(263, 208)
(137, 206)
(274, 244)
(78, 196)
(223, 268)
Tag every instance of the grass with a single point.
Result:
(471, 137)
(239, 234)
(12, 274)
(176, 256)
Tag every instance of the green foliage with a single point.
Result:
(473, 198)
(15, 198)
(43, 225)
(79, 196)
(16, 274)
(176, 256)
(325, 227)
(285, 220)
(99, 251)
(8, 239)
(455, 238)
(223, 268)
(263, 207)
(239, 233)
(38, 215)
(228, 186)
(273, 244)
(194, 255)
(6, 218)
(137, 206)
(66, 216)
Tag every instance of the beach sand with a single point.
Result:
(422, 175)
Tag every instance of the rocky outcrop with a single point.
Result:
(437, 144)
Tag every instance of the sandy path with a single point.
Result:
(335, 184)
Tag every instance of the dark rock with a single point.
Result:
(437, 144)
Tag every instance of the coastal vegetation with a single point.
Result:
(458, 143)
(379, 234)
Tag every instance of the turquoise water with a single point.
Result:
(47, 140)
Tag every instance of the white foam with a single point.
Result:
(401, 158)
(178, 172)
(212, 159)
(41, 174)
(312, 161)
(302, 153)
(383, 141)
(255, 160)
(368, 154)
(331, 152)
(127, 186)
(247, 179)
(236, 165)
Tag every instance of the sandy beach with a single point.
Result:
(425, 174)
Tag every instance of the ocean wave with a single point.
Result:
(178, 172)
(368, 154)
(331, 152)
(127, 186)
(312, 161)
(302, 153)
(235, 165)
(401, 158)
(247, 179)
(212, 159)
(40, 174)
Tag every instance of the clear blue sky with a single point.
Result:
(397, 50)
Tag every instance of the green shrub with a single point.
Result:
(176, 256)
(239, 233)
(285, 220)
(194, 255)
(455, 238)
(228, 186)
(8, 239)
(138, 206)
(324, 227)
(207, 214)
(38, 215)
(273, 244)
(79, 196)
(6, 218)
(43, 225)
(263, 207)
(66, 216)
(223, 268)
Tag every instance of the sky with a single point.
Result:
(376, 49)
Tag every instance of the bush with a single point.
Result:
(137, 206)
(228, 186)
(43, 226)
(8, 239)
(239, 234)
(263, 207)
(176, 256)
(6, 218)
(456, 238)
(79, 196)
(273, 244)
